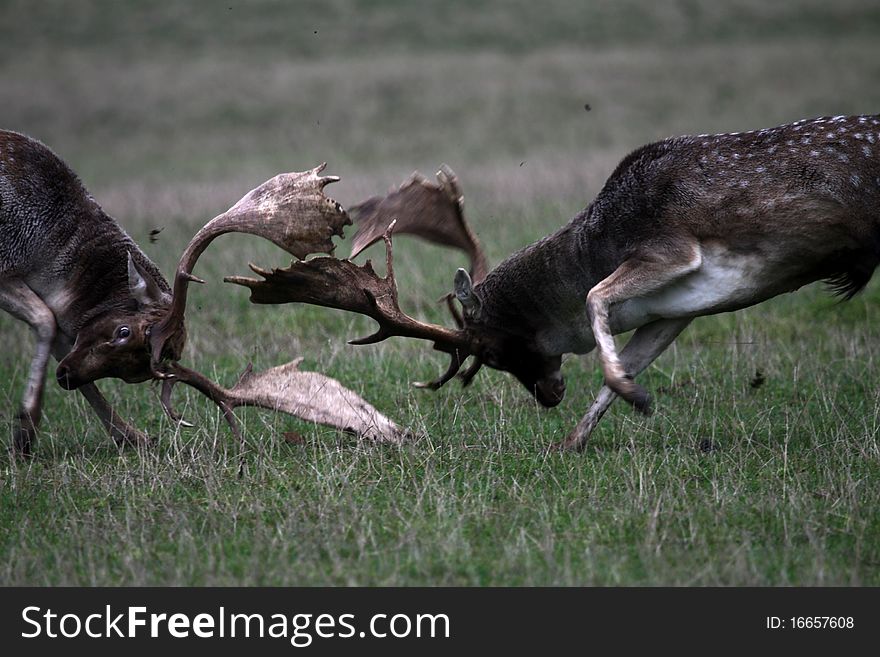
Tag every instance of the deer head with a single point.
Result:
(434, 212)
(508, 347)
(137, 343)
(145, 341)
(115, 344)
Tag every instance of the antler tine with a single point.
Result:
(468, 375)
(449, 299)
(290, 210)
(455, 364)
(165, 401)
(212, 391)
(383, 331)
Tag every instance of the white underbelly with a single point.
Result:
(724, 281)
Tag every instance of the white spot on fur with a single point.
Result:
(814, 153)
(866, 150)
(760, 170)
(855, 180)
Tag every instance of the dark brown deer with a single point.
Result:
(103, 309)
(684, 227)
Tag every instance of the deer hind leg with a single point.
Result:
(646, 344)
(120, 431)
(638, 276)
(21, 302)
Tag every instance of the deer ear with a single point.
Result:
(142, 287)
(465, 293)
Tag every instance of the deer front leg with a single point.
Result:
(120, 431)
(643, 348)
(639, 276)
(21, 302)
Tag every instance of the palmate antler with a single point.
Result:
(344, 285)
(291, 211)
(310, 396)
(432, 212)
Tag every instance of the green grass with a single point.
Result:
(171, 111)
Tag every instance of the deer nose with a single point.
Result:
(551, 391)
(63, 376)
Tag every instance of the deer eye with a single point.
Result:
(122, 332)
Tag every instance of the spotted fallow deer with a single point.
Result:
(102, 308)
(684, 227)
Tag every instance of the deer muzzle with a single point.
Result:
(550, 390)
(66, 379)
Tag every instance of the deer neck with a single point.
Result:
(540, 292)
(90, 277)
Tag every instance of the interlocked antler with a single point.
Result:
(290, 210)
(421, 208)
(344, 285)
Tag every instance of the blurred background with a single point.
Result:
(170, 109)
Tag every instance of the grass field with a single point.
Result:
(171, 111)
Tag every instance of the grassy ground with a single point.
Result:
(171, 111)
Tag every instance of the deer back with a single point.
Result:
(59, 241)
(804, 197)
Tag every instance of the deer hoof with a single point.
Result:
(640, 399)
(565, 446)
(22, 441)
(573, 443)
(130, 438)
(633, 393)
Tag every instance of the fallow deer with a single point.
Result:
(102, 308)
(684, 227)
